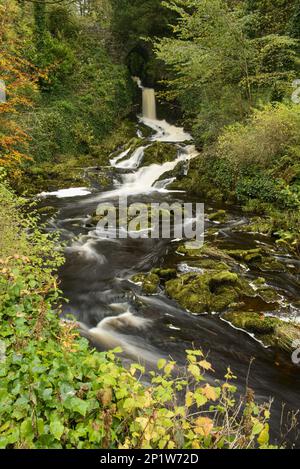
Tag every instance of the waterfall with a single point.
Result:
(149, 100)
(149, 103)
(2, 91)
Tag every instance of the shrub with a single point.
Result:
(266, 137)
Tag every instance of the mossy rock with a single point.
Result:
(269, 294)
(219, 216)
(165, 274)
(159, 153)
(249, 255)
(206, 252)
(259, 257)
(178, 172)
(270, 264)
(149, 282)
(47, 211)
(270, 330)
(210, 264)
(208, 292)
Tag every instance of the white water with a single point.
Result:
(106, 335)
(143, 180)
(65, 193)
(122, 155)
(149, 103)
(166, 132)
(133, 162)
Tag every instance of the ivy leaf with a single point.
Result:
(210, 393)
(189, 399)
(257, 427)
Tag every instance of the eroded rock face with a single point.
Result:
(270, 330)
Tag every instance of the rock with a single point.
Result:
(208, 292)
(246, 255)
(149, 282)
(219, 216)
(270, 330)
(260, 257)
(159, 153)
(165, 274)
(205, 252)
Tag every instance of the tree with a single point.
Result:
(219, 67)
(210, 61)
(20, 80)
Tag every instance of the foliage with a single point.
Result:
(20, 85)
(220, 66)
(58, 393)
(267, 136)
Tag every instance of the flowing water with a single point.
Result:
(113, 311)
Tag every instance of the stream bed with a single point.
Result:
(96, 279)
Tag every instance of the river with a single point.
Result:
(96, 280)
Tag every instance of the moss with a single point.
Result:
(272, 331)
(219, 216)
(149, 282)
(210, 264)
(47, 211)
(159, 153)
(209, 292)
(246, 255)
(268, 294)
(260, 257)
(206, 251)
(165, 274)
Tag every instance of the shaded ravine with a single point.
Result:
(96, 281)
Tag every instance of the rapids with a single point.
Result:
(113, 311)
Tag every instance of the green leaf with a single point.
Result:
(76, 405)
(56, 428)
(264, 436)
(200, 399)
(161, 363)
(257, 428)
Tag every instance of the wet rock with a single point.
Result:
(270, 330)
(165, 274)
(159, 153)
(259, 257)
(149, 282)
(219, 216)
(47, 211)
(208, 292)
(246, 255)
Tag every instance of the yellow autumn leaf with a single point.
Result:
(204, 426)
(205, 365)
(210, 393)
(194, 370)
(189, 399)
